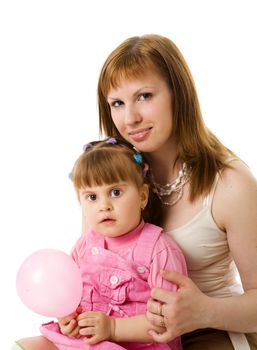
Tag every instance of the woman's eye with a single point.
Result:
(116, 192)
(145, 96)
(116, 104)
(91, 197)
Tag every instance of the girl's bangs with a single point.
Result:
(105, 168)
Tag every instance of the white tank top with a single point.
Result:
(208, 258)
(207, 254)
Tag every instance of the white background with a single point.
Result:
(51, 55)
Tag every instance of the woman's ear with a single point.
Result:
(144, 194)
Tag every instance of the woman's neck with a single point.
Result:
(162, 163)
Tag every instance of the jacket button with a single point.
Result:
(114, 279)
(141, 269)
(94, 251)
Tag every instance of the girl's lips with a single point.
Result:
(139, 135)
(107, 221)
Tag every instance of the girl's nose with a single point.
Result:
(105, 205)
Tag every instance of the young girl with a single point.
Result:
(147, 95)
(120, 256)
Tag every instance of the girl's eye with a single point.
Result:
(116, 192)
(145, 96)
(91, 197)
(116, 104)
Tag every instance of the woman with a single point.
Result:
(147, 96)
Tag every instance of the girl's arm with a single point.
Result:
(235, 211)
(98, 327)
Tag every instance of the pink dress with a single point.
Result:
(118, 274)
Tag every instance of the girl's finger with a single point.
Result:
(67, 329)
(87, 322)
(87, 331)
(92, 340)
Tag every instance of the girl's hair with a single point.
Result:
(111, 161)
(204, 154)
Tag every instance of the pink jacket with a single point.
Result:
(120, 284)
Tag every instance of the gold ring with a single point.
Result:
(160, 309)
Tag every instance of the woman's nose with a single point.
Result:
(132, 115)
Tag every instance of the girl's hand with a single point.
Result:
(97, 326)
(69, 325)
(183, 311)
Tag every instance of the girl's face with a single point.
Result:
(141, 110)
(113, 210)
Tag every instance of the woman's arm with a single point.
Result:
(235, 211)
(98, 327)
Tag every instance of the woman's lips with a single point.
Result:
(139, 135)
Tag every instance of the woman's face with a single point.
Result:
(141, 110)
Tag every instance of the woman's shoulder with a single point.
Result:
(236, 193)
(237, 175)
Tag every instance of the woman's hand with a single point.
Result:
(182, 311)
(96, 326)
(69, 325)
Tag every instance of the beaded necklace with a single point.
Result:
(175, 186)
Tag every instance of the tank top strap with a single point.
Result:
(145, 244)
(207, 201)
(239, 341)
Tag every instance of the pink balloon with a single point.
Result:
(49, 283)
